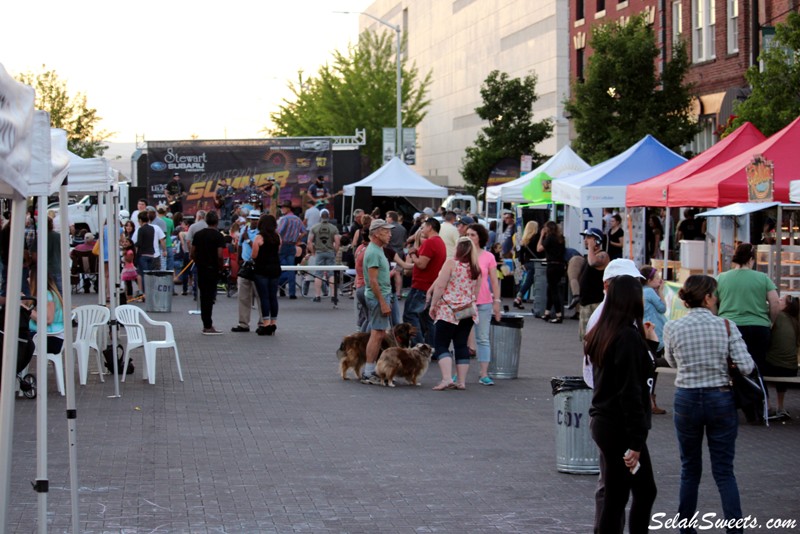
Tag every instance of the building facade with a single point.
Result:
(723, 38)
(461, 42)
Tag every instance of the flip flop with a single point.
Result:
(441, 386)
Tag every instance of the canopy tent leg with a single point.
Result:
(9, 365)
(69, 371)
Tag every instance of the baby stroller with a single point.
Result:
(25, 350)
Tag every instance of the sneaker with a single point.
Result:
(317, 299)
(292, 297)
(372, 379)
(239, 328)
(211, 332)
(486, 381)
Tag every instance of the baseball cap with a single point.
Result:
(88, 236)
(151, 208)
(254, 214)
(466, 220)
(241, 220)
(324, 213)
(124, 215)
(621, 267)
(429, 212)
(417, 214)
(379, 223)
(176, 174)
(593, 232)
(286, 204)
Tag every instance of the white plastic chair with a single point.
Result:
(134, 319)
(58, 367)
(90, 317)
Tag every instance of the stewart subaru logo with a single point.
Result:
(315, 146)
(158, 165)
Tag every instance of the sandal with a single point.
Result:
(546, 317)
(441, 386)
(460, 387)
(518, 304)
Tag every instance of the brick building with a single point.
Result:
(723, 37)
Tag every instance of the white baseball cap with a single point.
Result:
(621, 267)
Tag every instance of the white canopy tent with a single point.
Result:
(29, 167)
(397, 179)
(564, 163)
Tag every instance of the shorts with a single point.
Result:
(377, 321)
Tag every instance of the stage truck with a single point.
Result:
(248, 166)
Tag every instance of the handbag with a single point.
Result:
(464, 312)
(748, 390)
(248, 270)
(96, 248)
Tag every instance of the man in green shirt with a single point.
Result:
(377, 294)
(162, 214)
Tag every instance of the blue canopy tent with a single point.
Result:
(605, 184)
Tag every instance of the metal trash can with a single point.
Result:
(159, 291)
(505, 339)
(576, 452)
(539, 287)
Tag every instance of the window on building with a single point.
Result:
(705, 139)
(703, 30)
(579, 65)
(733, 26)
(677, 22)
(579, 10)
(601, 5)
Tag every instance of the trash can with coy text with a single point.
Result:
(576, 451)
(505, 339)
(159, 291)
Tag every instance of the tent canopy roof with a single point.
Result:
(655, 191)
(397, 179)
(604, 184)
(564, 163)
(726, 183)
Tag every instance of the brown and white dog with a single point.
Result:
(410, 364)
(352, 352)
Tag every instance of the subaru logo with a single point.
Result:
(158, 166)
(315, 146)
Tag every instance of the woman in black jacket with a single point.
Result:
(620, 414)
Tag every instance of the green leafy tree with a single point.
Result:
(623, 98)
(775, 99)
(356, 91)
(70, 112)
(511, 132)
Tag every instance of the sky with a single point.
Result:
(172, 69)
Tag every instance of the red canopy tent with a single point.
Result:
(657, 191)
(726, 183)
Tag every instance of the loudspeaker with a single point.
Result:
(363, 199)
(134, 194)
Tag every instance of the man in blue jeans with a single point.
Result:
(290, 228)
(427, 261)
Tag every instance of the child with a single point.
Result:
(129, 273)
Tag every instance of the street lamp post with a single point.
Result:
(399, 120)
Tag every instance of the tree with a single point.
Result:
(72, 113)
(775, 99)
(356, 91)
(623, 98)
(511, 132)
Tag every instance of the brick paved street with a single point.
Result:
(263, 436)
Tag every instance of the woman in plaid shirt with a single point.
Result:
(698, 344)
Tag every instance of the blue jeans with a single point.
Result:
(286, 254)
(267, 289)
(416, 314)
(484, 350)
(147, 263)
(712, 411)
(527, 281)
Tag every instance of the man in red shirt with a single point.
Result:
(427, 261)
